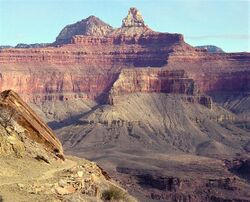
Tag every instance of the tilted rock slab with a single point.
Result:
(19, 123)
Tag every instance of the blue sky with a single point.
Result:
(224, 23)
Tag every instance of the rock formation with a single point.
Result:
(20, 125)
(92, 54)
(133, 19)
(54, 80)
(214, 72)
(92, 26)
(150, 80)
(153, 80)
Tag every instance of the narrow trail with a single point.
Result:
(50, 173)
(46, 175)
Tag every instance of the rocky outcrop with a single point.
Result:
(86, 65)
(133, 19)
(21, 128)
(136, 40)
(53, 80)
(64, 84)
(239, 166)
(72, 180)
(201, 99)
(89, 63)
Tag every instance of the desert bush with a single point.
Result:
(114, 194)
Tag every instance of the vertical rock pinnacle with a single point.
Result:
(133, 19)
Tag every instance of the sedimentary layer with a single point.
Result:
(88, 56)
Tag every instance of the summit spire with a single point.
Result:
(133, 19)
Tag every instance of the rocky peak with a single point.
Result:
(91, 26)
(133, 19)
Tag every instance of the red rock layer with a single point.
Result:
(149, 80)
(56, 84)
(153, 80)
(214, 72)
(160, 39)
(148, 50)
(89, 66)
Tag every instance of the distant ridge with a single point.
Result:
(211, 48)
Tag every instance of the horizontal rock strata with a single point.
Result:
(88, 56)
(149, 80)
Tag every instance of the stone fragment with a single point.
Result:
(80, 173)
(62, 183)
(21, 186)
(65, 190)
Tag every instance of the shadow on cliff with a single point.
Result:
(73, 120)
(1, 198)
(103, 98)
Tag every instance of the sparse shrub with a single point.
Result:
(114, 194)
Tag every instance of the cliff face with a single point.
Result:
(214, 72)
(63, 84)
(157, 80)
(90, 55)
(86, 68)
(153, 80)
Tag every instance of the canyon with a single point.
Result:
(168, 121)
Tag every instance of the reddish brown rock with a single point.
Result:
(153, 80)
(91, 26)
(149, 80)
(86, 69)
(214, 72)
